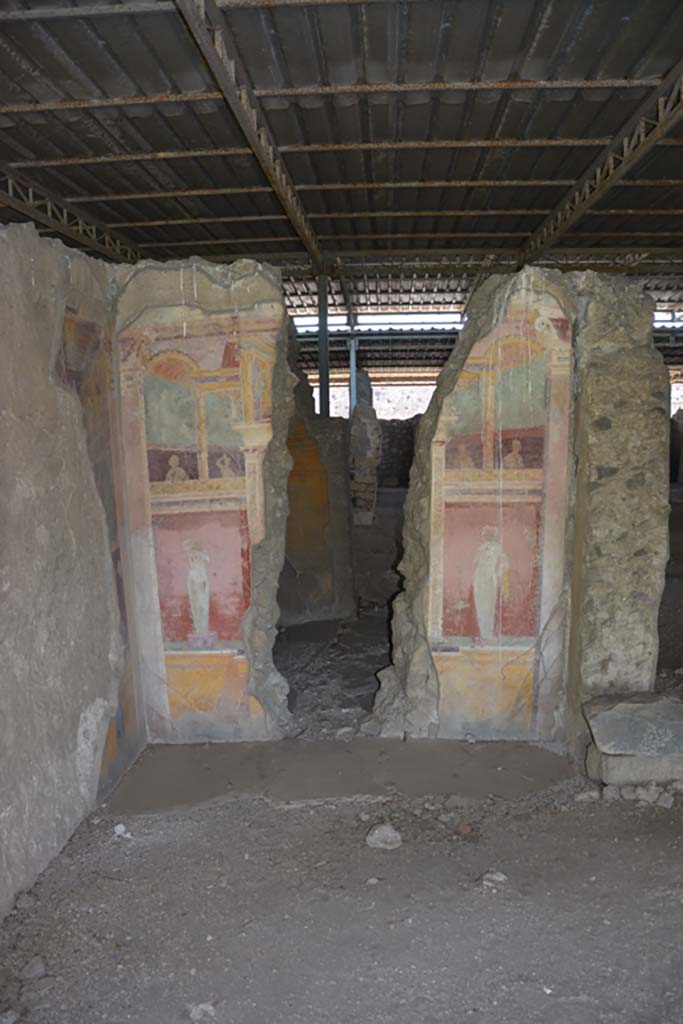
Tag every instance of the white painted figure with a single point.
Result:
(198, 589)
(514, 458)
(491, 578)
(176, 473)
(224, 465)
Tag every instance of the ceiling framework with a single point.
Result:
(404, 147)
(20, 196)
(424, 353)
(658, 114)
(205, 22)
(358, 88)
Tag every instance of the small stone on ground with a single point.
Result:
(34, 969)
(493, 879)
(383, 837)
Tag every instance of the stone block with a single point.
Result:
(640, 724)
(632, 769)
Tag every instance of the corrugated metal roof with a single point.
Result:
(372, 78)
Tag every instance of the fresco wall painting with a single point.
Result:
(498, 520)
(196, 408)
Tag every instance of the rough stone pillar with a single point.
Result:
(622, 485)
(365, 453)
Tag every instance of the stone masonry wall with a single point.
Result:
(621, 452)
(398, 448)
(365, 452)
(59, 626)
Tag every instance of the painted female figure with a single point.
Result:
(491, 576)
(198, 587)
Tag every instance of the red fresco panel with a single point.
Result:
(517, 529)
(223, 536)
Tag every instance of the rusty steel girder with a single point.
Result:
(209, 30)
(36, 203)
(656, 116)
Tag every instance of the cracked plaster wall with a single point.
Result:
(59, 627)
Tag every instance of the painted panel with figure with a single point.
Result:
(196, 393)
(498, 513)
(203, 571)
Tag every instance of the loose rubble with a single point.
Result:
(332, 675)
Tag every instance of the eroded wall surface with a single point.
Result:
(86, 363)
(622, 491)
(317, 578)
(365, 452)
(201, 352)
(59, 626)
(530, 513)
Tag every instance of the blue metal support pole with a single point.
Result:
(323, 347)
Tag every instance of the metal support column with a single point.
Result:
(323, 346)
(353, 348)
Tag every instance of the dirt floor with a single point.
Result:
(259, 905)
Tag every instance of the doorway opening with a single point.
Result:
(670, 664)
(330, 648)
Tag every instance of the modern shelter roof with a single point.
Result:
(426, 140)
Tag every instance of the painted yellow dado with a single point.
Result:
(478, 686)
(214, 682)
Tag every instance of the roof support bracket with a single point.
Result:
(658, 113)
(39, 205)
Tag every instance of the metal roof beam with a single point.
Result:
(135, 7)
(372, 214)
(353, 215)
(366, 186)
(364, 254)
(659, 112)
(342, 89)
(41, 206)
(255, 239)
(208, 28)
(312, 147)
